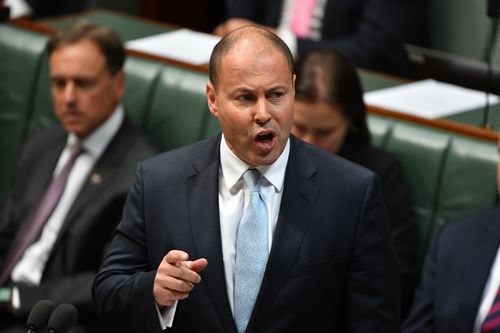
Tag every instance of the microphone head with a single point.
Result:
(63, 318)
(39, 315)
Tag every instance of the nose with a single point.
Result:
(262, 114)
(69, 93)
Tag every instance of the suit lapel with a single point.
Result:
(46, 164)
(479, 266)
(202, 188)
(100, 175)
(298, 199)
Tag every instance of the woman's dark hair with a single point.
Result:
(329, 77)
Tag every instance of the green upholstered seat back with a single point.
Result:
(422, 152)
(179, 108)
(43, 115)
(448, 175)
(20, 58)
(468, 181)
(141, 78)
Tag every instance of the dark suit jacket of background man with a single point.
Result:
(332, 263)
(369, 32)
(77, 253)
(454, 275)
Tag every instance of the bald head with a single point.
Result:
(255, 39)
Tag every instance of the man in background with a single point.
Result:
(460, 285)
(70, 181)
(371, 33)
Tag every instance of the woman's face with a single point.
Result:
(320, 124)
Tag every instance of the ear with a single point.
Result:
(119, 83)
(211, 99)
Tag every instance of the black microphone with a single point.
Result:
(62, 319)
(39, 316)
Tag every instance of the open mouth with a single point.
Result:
(265, 137)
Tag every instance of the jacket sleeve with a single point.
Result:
(123, 288)
(372, 284)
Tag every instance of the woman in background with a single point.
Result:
(330, 113)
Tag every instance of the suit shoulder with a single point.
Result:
(378, 160)
(472, 223)
(182, 157)
(330, 163)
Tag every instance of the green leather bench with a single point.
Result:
(449, 175)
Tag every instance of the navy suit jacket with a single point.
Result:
(332, 265)
(456, 270)
(369, 32)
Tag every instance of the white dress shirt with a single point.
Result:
(30, 267)
(489, 293)
(233, 197)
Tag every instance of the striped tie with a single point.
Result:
(35, 220)
(491, 323)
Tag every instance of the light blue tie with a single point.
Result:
(251, 251)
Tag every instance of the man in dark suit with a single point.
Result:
(369, 32)
(176, 258)
(60, 262)
(460, 278)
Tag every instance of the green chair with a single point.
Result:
(179, 109)
(142, 76)
(422, 152)
(468, 181)
(379, 129)
(43, 115)
(20, 60)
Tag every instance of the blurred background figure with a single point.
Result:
(330, 113)
(460, 285)
(70, 181)
(369, 32)
(44, 8)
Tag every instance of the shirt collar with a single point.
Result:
(233, 168)
(95, 143)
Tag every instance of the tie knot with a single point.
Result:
(75, 150)
(251, 178)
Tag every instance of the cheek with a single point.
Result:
(331, 143)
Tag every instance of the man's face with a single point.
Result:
(85, 93)
(253, 101)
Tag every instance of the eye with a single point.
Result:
(275, 95)
(245, 98)
(85, 83)
(324, 132)
(58, 83)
